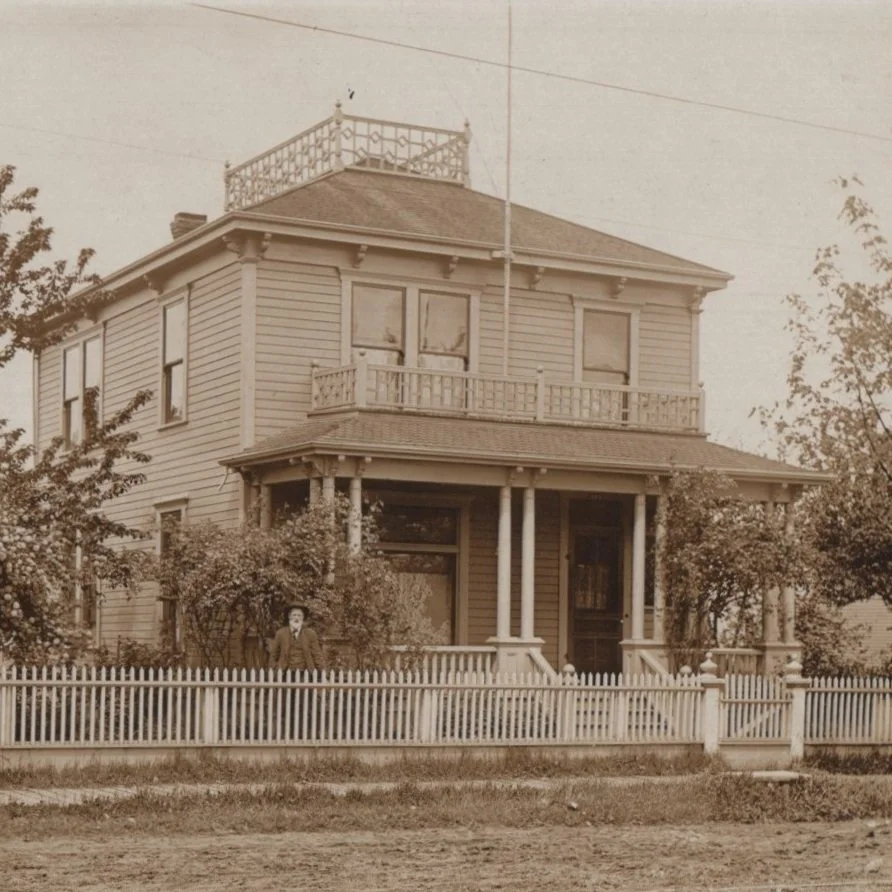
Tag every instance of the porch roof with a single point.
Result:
(397, 435)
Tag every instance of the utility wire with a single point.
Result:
(112, 142)
(652, 94)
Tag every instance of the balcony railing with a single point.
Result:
(363, 385)
(347, 141)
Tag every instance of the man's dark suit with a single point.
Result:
(282, 645)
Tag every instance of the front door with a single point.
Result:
(596, 622)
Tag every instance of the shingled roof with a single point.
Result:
(415, 206)
(429, 437)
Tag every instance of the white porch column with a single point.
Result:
(638, 549)
(354, 528)
(315, 490)
(328, 489)
(789, 593)
(659, 633)
(528, 563)
(266, 506)
(503, 580)
(770, 600)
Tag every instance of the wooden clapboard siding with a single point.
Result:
(184, 457)
(664, 350)
(482, 566)
(876, 618)
(548, 558)
(541, 334)
(490, 362)
(298, 320)
(49, 399)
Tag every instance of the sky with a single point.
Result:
(123, 114)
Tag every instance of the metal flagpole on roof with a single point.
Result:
(506, 300)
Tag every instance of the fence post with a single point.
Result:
(210, 710)
(569, 680)
(7, 705)
(712, 714)
(797, 686)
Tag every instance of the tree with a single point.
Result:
(232, 588)
(837, 416)
(720, 554)
(51, 504)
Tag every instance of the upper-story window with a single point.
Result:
(443, 331)
(173, 372)
(81, 381)
(378, 324)
(606, 347)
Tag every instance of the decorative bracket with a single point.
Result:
(361, 465)
(361, 251)
(450, 267)
(536, 277)
(154, 283)
(697, 300)
(619, 285)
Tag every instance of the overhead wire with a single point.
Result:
(638, 91)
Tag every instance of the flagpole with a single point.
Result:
(506, 300)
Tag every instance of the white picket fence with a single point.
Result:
(91, 708)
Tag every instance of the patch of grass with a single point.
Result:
(279, 808)
(871, 761)
(206, 768)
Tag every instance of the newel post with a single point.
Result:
(712, 716)
(362, 380)
(540, 394)
(797, 686)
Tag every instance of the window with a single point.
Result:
(173, 379)
(422, 543)
(81, 381)
(378, 323)
(443, 331)
(168, 521)
(605, 347)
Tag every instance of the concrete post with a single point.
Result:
(528, 564)
(712, 707)
(797, 686)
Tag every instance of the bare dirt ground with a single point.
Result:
(488, 858)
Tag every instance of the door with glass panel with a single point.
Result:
(442, 349)
(595, 578)
(378, 333)
(606, 364)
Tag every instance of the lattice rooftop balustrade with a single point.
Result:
(346, 141)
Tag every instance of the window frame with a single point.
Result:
(180, 505)
(583, 304)
(79, 343)
(183, 298)
(412, 286)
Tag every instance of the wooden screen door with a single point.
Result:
(596, 621)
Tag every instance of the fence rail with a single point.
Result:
(849, 710)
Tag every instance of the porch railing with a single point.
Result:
(431, 391)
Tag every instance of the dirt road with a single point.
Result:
(564, 859)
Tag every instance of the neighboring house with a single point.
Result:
(344, 326)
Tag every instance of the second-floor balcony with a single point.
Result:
(538, 398)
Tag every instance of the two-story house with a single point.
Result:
(345, 326)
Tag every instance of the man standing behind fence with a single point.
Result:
(296, 646)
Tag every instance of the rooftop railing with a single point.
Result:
(343, 141)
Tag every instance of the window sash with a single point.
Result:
(606, 351)
(174, 347)
(174, 388)
(444, 324)
(378, 321)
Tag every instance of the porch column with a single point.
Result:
(315, 490)
(528, 563)
(769, 599)
(266, 506)
(638, 549)
(354, 527)
(503, 580)
(328, 489)
(659, 633)
(789, 593)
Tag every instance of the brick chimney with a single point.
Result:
(183, 223)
